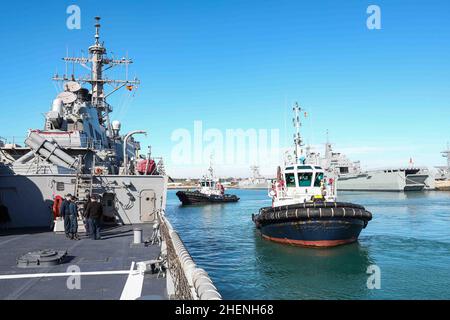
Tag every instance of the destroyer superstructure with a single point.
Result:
(80, 151)
(256, 181)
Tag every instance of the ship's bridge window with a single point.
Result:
(304, 168)
(343, 169)
(290, 179)
(304, 179)
(318, 179)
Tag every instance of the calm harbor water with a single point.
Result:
(408, 239)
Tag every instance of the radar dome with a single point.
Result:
(116, 125)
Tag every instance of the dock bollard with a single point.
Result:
(137, 232)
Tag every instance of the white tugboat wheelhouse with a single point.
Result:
(299, 181)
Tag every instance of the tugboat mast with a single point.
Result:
(210, 169)
(298, 142)
(99, 63)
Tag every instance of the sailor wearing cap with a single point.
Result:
(73, 216)
(65, 213)
(93, 213)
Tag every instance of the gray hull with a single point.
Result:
(127, 199)
(382, 181)
(253, 186)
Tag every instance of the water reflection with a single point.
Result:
(310, 273)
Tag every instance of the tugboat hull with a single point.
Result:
(315, 233)
(195, 197)
(313, 224)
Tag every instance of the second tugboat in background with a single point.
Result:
(304, 210)
(211, 191)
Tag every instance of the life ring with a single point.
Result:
(273, 191)
(56, 206)
(279, 187)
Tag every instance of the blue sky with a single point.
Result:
(383, 94)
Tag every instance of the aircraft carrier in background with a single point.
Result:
(350, 176)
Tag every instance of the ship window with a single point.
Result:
(318, 180)
(304, 168)
(290, 180)
(305, 179)
(60, 186)
(343, 169)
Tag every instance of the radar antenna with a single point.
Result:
(298, 142)
(97, 63)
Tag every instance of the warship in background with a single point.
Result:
(79, 151)
(256, 181)
(442, 181)
(350, 176)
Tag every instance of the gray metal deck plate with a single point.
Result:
(112, 253)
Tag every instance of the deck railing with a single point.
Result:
(190, 282)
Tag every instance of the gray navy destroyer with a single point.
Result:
(256, 181)
(80, 151)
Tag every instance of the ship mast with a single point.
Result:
(97, 51)
(446, 154)
(298, 142)
(99, 63)
(210, 169)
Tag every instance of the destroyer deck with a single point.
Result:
(113, 253)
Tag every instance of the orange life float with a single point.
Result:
(56, 206)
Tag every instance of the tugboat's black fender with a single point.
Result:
(311, 210)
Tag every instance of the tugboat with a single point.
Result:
(304, 209)
(211, 191)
